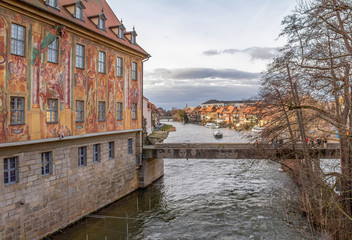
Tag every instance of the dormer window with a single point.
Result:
(132, 36)
(78, 12)
(76, 9)
(120, 35)
(52, 3)
(101, 23)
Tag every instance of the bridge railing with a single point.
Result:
(234, 151)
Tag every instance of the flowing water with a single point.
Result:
(200, 199)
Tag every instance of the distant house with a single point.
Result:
(217, 103)
(147, 114)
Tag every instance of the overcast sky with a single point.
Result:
(204, 49)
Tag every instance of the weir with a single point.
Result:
(234, 151)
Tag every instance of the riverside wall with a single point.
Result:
(38, 205)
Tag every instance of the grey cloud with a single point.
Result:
(178, 96)
(211, 52)
(260, 53)
(202, 73)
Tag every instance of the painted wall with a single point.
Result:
(37, 80)
(147, 114)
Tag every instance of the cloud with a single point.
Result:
(256, 53)
(177, 87)
(202, 73)
(178, 96)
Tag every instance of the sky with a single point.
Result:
(204, 49)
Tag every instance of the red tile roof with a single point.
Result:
(93, 8)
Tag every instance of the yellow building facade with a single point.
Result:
(71, 80)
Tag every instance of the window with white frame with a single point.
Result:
(79, 56)
(80, 111)
(134, 71)
(96, 152)
(119, 111)
(17, 39)
(53, 51)
(133, 39)
(101, 62)
(82, 156)
(101, 111)
(10, 170)
(46, 163)
(119, 66)
(52, 111)
(16, 110)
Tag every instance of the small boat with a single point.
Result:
(217, 134)
(257, 129)
(210, 125)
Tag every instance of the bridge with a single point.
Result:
(234, 151)
(165, 118)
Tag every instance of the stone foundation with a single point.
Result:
(150, 171)
(37, 205)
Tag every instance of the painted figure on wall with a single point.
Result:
(17, 75)
(111, 120)
(91, 116)
(80, 83)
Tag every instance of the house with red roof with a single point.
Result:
(71, 80)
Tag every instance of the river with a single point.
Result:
(200, 199)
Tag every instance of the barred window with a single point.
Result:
(53, 51)
(80, 111)
(129, 145)
(111, 150)
(79, 56)
(119, 67)
(101, 62)
(17, 39)
(119, 111)
(10, 170)
(82, 156)
(96, 152)
(101, 111)
(134, 111)
(134, 71)
(16, 110)
(52, 111)
(46, 163)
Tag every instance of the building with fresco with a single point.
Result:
(71, 79)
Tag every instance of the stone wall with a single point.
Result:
(151, 170)
(38, 205)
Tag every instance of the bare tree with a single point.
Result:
(310, 84)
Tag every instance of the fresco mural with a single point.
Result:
(37, 80)
(91, 114)
(3, 35)
(111, 113)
